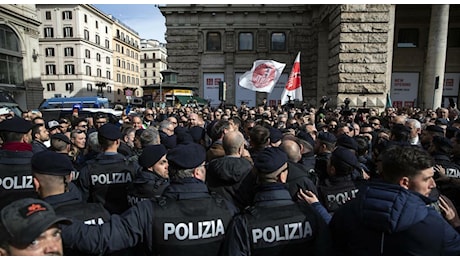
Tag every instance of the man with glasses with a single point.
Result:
(375, 122)
(99, 120)
(149, 118)
(81, 124)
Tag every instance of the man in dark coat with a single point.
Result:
(393, 216)
(231, 175)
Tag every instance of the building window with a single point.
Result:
(69, 87)
(107, 44)
(123, 64)
(68, 32)
(11, 68)
(145, 73)
(278, 41)
(89, 87)
(145, 65)
(123, 78)
(118, 77)
(107, 60)
(49, 52)
(49, 32)
(453, 38)
(145, 82)
(85, 18)
(98, 39)
(50, 87)
(128, 79)
(109, 89)
(86, 35)
(98, 57)
(213, 41)
(50, 69)
(145, 56)
(106, 29)
(68, 52)
(48, 15)
(87, 54)
(245, 41)
(108, 75)
(88, 70)
(408, 38)
(67, 15)
(97, 25)
(118, 63)
(153, 73)
(69, 69)
(99, 72)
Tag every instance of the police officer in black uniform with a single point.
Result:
(276, 225)
(52, 177)
(16, 180)
(324, 145)
(447, 182)
(340, 186)
(105, 178)
(153, 178)
(189, 220)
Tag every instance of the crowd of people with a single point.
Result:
(232, 180)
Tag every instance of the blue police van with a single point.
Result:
(71, 102)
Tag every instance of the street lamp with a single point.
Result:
(161, 90)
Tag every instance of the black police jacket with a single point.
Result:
(336, 191)
(105, 178)
(188, 221)
(146, 185)
(276, 225)
(16, 179)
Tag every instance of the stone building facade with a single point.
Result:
(361, 52)
(19, 54)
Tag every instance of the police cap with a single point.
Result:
(270, 159)
(435, 129)
(22, 221)
(186, 156)
(110, 131)
(327, 137)
(51, 163)
(16, 124)
(62, 137)
(347, 142)
(275, 134)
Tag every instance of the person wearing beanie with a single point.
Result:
(273, 208)
(152, 178)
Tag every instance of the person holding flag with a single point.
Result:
(293, 89)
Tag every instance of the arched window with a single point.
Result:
(10, 57)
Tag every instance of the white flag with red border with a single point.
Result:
(293, 88)
(263, 76)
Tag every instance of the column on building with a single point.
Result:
(433, 76)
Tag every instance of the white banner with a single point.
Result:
(263, 76)
(244, 94)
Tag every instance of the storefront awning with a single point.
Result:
(183, 99)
